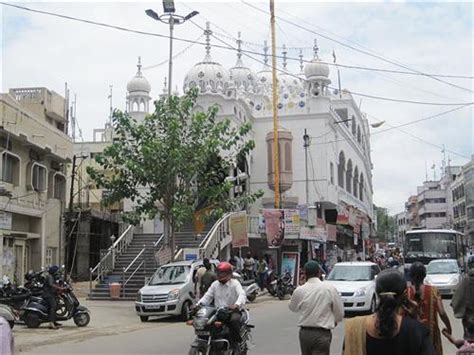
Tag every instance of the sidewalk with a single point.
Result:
(107, 318)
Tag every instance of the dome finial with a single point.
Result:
(315, 49)
(208, 34)
(284, 52)
(301, 61)
(265, 53)
(139, 65)
(239, 46)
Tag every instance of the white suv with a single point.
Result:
(355, 282)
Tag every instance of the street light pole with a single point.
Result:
(306, 146)
(170, 64)
(170, 18)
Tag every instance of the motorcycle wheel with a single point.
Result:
(252, 297)
(82, 319)
(271, 291)
(281, 294)
(32, 320)
(196, 351)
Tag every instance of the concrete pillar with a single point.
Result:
(83, 248)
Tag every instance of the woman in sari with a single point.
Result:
(428, 305)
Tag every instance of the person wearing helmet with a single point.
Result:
(227, 292)
(50, 290)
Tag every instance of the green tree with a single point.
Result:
(173, 163)
(385, 224)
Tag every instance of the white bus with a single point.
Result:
(428, 244)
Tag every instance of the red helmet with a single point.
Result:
(224, 271)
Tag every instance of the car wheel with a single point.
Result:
(144, 318)
(186, 311)
(373, 305)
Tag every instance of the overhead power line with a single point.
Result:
(226, 46)
(140, 32)
(357, 49)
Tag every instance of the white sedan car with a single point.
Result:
(355, 282)
(444, 274)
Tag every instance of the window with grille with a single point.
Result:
(39, 178)
(59, 187)
(10, 168)
(49, 256)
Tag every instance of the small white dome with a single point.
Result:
(138, 82)
(243, 77)
(316, 70)
(291, 84)
(207, 76)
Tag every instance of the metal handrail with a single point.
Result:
(158, 241)
(133, 274)
(205, 242)
(133, 261)
(111, 253)
(178, 254)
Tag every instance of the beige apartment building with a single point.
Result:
(35, 150)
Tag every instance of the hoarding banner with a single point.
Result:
(332, 232)
(289, 263)
(274, 226)
(315, 234)
(238, 230)
(292, 222)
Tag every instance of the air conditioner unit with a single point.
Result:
(6, 189)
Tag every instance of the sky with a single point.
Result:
(429, 37)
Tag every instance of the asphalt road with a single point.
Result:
(275, 333)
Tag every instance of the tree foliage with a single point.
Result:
(174, 162)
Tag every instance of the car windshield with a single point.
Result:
(442, 268)
(350, 273)
(169, 275)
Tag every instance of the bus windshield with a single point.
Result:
(431, 245)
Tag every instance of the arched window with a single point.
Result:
(359, 137)
(353, 125)
(356, 182)
(361, 187)
(134, 106)
(341, 167)
(287, 157)
(349, 176)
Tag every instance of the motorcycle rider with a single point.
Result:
(50, 290)
(227, 292)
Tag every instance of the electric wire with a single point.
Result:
(181, 39)
(359, 50)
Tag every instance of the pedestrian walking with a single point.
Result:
(262, 268)
(429, 305)
(387, 331)
(320, 308)
(6, 338)
(249, 266)
(463, 299)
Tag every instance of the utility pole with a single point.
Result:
(276, 160)
(306, 146)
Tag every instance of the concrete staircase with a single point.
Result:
(139, 241)
(185, 238)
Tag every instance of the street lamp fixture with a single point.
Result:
(170, 18)
(377, 124)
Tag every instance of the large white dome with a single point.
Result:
(138, 83)
(208, 76)
(243, 78)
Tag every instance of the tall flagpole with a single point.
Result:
(276, 160)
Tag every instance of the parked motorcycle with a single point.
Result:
(250, 287)
(284, 286)
(271, 282)
(212, 333)
(37, 310)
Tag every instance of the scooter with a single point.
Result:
(250, 287)
(37, 310)
(285, 285)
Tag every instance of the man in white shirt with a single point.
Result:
(227, 292)
(320, 308)
(6, 338)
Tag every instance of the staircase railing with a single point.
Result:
(212, 241)
(129, 266)
(107, 262)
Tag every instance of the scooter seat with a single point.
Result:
(248, 282)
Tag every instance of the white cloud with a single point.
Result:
(40, 50)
